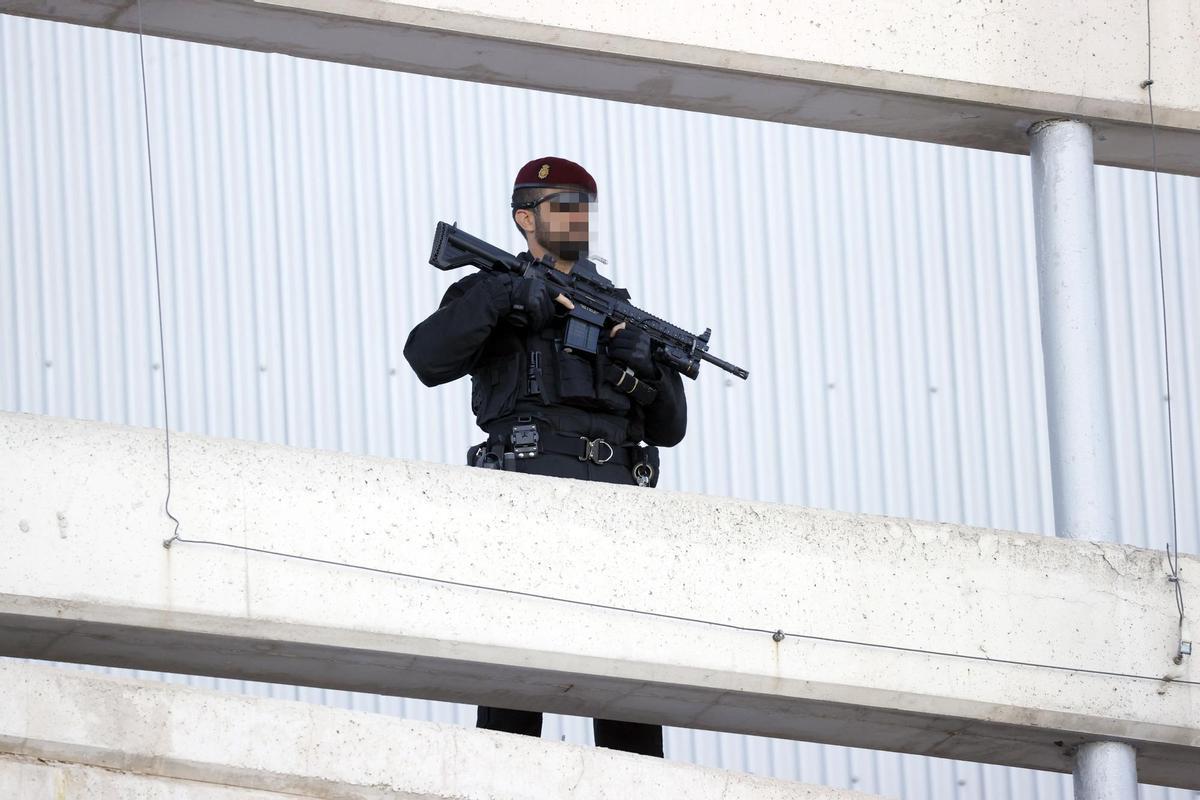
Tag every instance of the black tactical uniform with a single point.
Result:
(525, 382)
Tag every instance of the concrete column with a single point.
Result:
(1081, 460)
(1106, 771)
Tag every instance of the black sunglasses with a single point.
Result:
(562, 201)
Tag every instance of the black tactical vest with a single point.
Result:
(521, 372)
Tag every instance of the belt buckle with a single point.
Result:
(591, 450)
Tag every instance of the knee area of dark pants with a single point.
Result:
(630, 737)
(509, 720)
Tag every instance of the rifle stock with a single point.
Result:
(453, 248)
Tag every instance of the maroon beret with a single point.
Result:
(554, 171)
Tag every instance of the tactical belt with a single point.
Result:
(525, 441)
(598, 451)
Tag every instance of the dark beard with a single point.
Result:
(562, 251)
(567, 251)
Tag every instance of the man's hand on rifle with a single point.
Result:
(532, 304)
(631, 347)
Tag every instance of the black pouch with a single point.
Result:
(486, 457)
(541, 373)
(576, 379)
(608, 396)
(495, 387)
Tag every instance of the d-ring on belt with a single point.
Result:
(597, 451)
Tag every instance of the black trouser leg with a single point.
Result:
(509, 720)
(632, 737)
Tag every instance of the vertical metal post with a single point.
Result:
(1105, 771)
(1064, 205)
(1081, 452)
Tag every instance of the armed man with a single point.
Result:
(550, 408)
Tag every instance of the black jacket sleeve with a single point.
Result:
(447, 344)
(665, 419)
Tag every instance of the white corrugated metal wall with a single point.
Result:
(882, 293)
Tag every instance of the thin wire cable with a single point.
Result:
(778, 633)
(1173, 563)
(162, 347)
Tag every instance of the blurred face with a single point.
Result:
(561, 222)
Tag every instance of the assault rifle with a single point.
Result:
(596, 302)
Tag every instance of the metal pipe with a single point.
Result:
(1077, 407)
(1106, 771)
(1078, 415)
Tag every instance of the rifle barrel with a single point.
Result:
(723, 364)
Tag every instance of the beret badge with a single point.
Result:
(544, 172)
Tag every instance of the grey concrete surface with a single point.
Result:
(972, 74)
(69, 735)
(901, 635)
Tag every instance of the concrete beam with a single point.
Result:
(973, 74)
(30, 778)
(67, 735)
(916, 637)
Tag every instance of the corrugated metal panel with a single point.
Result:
(883, 294)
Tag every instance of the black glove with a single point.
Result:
(532, 303)
(631, 347)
